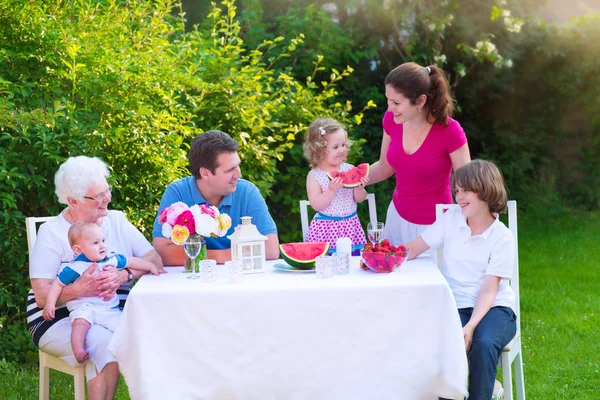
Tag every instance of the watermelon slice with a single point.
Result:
(303, 255)
(352, 177)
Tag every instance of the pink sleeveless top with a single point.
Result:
(423, 178)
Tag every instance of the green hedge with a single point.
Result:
(123, 81)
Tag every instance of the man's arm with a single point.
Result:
(272, 246)
(170, 253)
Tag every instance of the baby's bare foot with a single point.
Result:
(82, 356)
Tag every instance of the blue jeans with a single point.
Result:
(495, 330)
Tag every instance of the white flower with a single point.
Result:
(431, 27)
(166, 230)
(205, 225)
(196, 212)
(440, 60)
(509, 63)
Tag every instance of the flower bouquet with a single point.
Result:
(181, 223)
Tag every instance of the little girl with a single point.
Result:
(326, 148)
(479, 254)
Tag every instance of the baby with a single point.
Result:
(87, 241)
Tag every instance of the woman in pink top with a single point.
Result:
(422, 144)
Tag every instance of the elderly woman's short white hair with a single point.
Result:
(76, 175)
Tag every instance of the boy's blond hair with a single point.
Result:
(77, 229)
(484, 178)
(315, 143)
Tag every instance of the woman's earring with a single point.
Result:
(420, 109)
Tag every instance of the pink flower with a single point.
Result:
(162, 217)
(176, 209)
(208, 210)
(186, 219)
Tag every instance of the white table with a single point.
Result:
(282, 335)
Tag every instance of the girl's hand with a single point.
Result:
(108, 282)
(335, 185)
(48, 313)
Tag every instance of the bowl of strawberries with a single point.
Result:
(383, 257)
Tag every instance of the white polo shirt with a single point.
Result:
(468, 259)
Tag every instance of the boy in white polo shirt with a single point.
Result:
(479, 253)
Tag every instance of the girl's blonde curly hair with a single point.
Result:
(315, 142)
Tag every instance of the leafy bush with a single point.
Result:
(123, 81)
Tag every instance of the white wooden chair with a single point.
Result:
(304, 204)
(512, 353)
(47, 361)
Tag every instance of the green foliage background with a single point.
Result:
(125, 82)
(134, 82)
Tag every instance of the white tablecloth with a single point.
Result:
(282, 335)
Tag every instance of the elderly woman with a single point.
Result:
(81, 184)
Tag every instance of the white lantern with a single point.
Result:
(248, 247)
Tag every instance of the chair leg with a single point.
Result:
(506, 377)
(80, 384)
(519, 376)
(44, 379)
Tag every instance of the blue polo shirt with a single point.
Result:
(246, 201)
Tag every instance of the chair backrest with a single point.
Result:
(31, 226)
(512, 226)
(304, 204)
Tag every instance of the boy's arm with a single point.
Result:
(483, 303)
(416, 247)
(51, 299)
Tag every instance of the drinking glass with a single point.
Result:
(235, 271)
(375, 232)
(341, 262)
(324, 267)
(192, 247)
(208, 271)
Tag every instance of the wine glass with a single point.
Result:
(192, 247)
(375, 232)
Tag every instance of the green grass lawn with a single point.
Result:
(560, 306)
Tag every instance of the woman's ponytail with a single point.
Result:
(439, 102)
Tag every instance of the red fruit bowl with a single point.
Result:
(382, 261)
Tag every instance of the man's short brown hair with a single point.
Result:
(206, 148)
(484, 178)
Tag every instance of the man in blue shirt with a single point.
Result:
(216, 180)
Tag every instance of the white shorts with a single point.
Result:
(399, 231)
(56, 341)
(97, 315)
